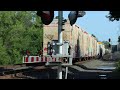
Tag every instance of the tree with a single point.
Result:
(19, 33)
(119, 39)
(4, 57)
(106, 43)
(114, 15)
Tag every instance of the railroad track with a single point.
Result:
(15, 70)
(18, 70)
(24, 67)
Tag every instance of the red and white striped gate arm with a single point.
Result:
(35, 59)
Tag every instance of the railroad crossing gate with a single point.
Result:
(50, 60)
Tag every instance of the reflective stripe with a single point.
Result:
(32, 59)
(53, 59)
(37, 59)
(46, 59)
(41, 59)
(26, 59)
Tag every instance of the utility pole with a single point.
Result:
(110, 42)
(111, 50)
(60, 18)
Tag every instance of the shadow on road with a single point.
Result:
(76, 74)
(2, 70)
(86, 68)
(72, 74)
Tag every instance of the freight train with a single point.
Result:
(77, 44)
(81, 45)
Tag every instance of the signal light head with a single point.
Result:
(109, 39)
(46, 16)
(73, 17)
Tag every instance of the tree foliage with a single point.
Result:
(114, 15)
(119, 39)
(18, 33)
(106, 43)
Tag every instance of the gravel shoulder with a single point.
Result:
(94, 64)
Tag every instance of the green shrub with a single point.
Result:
(118, 65)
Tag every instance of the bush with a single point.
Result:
(118, 66)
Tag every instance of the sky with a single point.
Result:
(95, 22)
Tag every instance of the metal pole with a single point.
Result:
(60, 15)
(111, 50)
(66, 72)
(59, 72)
(72, 41)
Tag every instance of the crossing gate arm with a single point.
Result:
(56, 59)
(31, 59)
(64, 60)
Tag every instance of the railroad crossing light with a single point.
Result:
(73, 17)
(46, 16)
(109, 40)
(63, 24)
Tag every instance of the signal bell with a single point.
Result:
(46, 16)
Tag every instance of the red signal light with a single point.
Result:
(46, 16)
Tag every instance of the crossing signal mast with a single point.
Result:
(110, 45)
(109, 42)
(48, 16)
